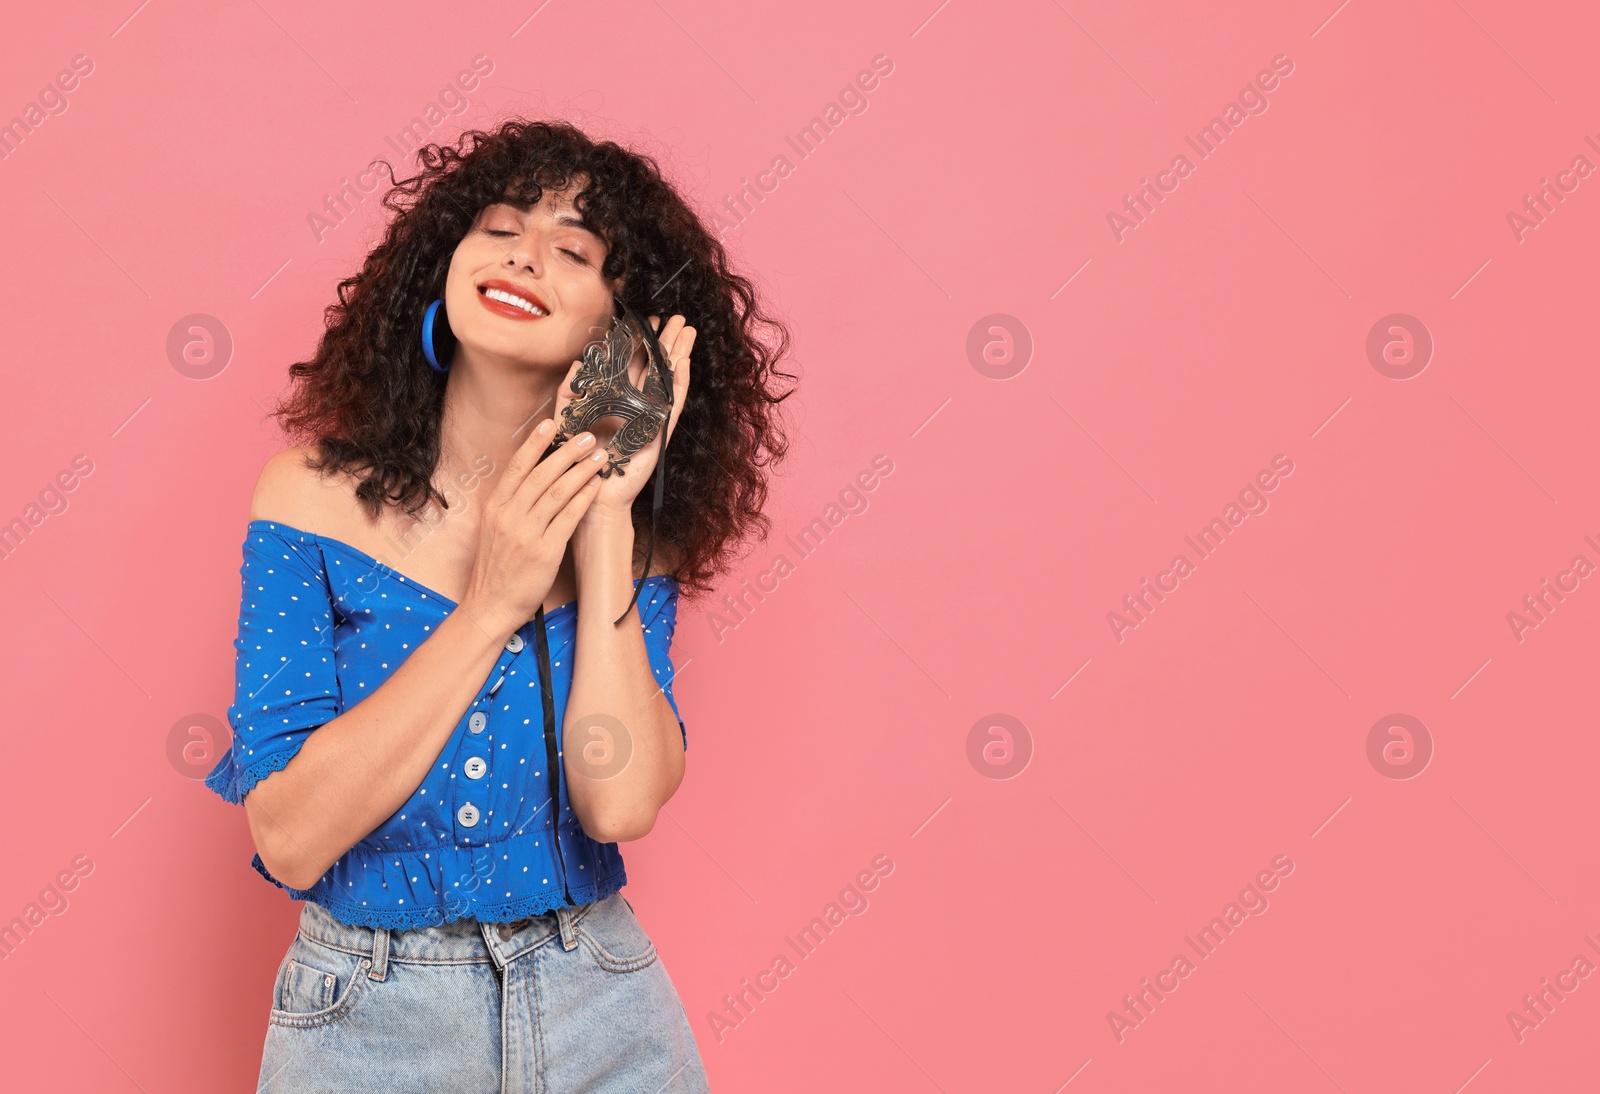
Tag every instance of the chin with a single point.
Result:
(506, 349)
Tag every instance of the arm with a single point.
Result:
(359, 768)
(611, 675)
(356, 771)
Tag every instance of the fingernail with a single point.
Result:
(598, 455)
(585, 440)
(546, 426)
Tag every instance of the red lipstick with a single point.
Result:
(511, 311)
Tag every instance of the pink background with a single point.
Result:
(832, 724)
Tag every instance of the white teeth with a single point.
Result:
(514, 301)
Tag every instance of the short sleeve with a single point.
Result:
(286, 681)
(658, 612)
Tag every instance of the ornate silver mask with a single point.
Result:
(603, 388)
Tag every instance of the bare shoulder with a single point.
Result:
(291, 492)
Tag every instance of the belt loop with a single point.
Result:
(569, 933)
(380, 953)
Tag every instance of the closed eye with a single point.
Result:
(502, 232)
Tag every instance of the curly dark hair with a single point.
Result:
(373, 406)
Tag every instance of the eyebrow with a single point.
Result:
(560, 218)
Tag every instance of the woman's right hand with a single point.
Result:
(526, 524)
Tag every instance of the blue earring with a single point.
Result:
(438, 340)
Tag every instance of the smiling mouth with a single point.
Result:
(511, 300)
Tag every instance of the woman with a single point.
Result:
(447, 716)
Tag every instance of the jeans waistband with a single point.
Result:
(463, 941)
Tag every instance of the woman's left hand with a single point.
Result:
(618, 490)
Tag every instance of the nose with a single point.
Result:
(524, 252)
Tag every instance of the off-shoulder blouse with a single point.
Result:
(322, 625)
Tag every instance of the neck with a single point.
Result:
(491, 406)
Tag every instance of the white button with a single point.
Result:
(475, 767)
(478, 720)
(515, 645)
(467, 815)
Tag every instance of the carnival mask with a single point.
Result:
(602, 388)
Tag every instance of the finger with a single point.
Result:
(669, 335)
(565, 488)
(567, 517)
(539, 479)
(684, 346)
(680, 383)
(562, 491)
(523, 461)
(671, 340)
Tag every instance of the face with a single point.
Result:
(544, 267)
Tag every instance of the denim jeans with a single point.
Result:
(573, 1000)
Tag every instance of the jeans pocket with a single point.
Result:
(317, 984)
(303, 988)
(613, 936)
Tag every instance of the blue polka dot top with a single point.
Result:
(322, 625)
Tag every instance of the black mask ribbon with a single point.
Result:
(603, 388)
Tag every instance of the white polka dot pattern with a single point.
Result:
(322, 625)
